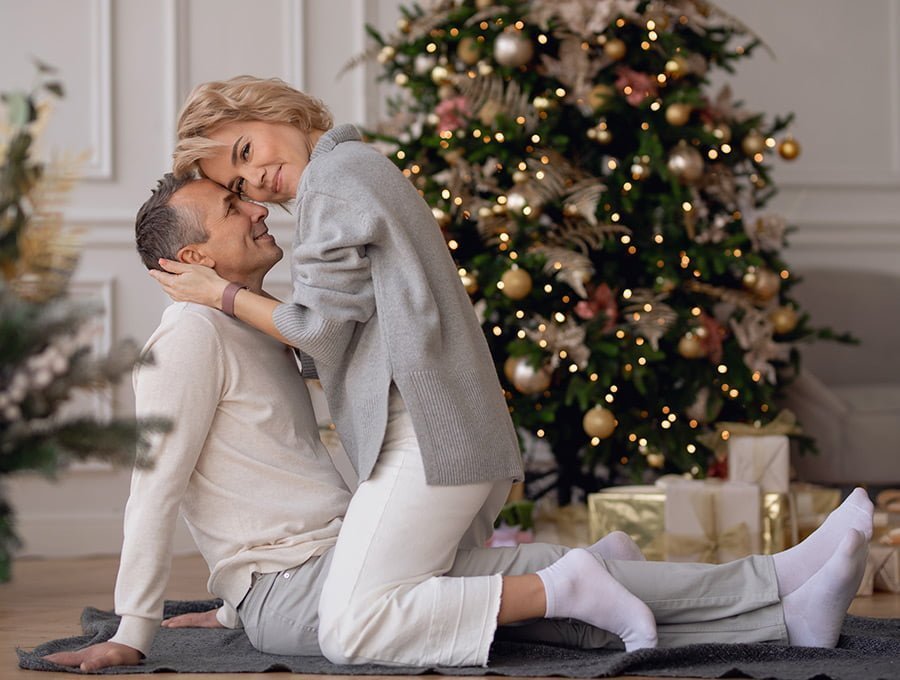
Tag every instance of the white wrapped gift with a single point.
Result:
(711, 521)
(762, 460)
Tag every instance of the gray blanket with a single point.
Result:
(869, 649)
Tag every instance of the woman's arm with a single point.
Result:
(196, 283)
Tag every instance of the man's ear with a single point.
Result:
(193, 255)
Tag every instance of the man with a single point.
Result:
(264, 503)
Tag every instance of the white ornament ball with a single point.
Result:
(513, 48)
(526, 378)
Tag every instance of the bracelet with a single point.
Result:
(228, 297)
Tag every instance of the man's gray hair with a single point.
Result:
(160, 229)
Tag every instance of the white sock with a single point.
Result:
(577, 586)
(815, 611)
(795, 566)
(617, 546)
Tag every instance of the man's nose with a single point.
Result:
(257, 212)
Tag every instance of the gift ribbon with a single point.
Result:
(735, 540)
(784, 423)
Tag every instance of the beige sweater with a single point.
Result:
(244, 464)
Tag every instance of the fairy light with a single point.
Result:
(542, 343)
(639, 341)
(620, 334)
(431, 48)
(560, 92)
(612, 164)
(656, 106)
(625, 240)
(672, 418)
(642, 361)
(725, 148)
(627, 293)
(560, 317)
(665, 424)
(542, 39)
(540, 433)
(696, 311)
(632, 437)
(722, 368)
(609, 398)
(573, 368)
(627, 186)
(548, 288)
(452, 244)
(521, 334)
(615, 217)
(535, 139)
(642, 442)
(520, 314)
(691, 448)
(594, 377)
(401, 154)
(713, 154)
(497, 331)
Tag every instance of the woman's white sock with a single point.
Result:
(577, 586)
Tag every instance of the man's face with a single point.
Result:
(239, 246)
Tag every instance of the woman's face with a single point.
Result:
(260, 161)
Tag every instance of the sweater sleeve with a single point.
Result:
(186, 377)
(332, 280)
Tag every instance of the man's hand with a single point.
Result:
(194, 620)
(95, 657)
(190, 283)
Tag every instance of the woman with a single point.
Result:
(378, 304)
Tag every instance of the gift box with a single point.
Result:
(762, 460)
(711, 521)
(636, 510)
(884, 556)
(812, 504)
(639, 511)
(887, 514)
(566, 525)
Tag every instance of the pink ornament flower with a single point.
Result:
(637, 86)
(452, 113)
(602, 299)
(712, 341)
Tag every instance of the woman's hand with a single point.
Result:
(95, 657)
(190, 283)
(205, 619)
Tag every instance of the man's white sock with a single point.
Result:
(577, 586)
(793, 567)
(617, 546)
(814, 613)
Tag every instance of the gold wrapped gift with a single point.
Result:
(812, 504)
(639, 511)
(885, 561)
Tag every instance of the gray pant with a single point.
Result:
(734, 602)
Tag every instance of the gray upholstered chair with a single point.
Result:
(848, 397)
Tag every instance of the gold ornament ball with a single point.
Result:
(784, 319)
(469, 282)
(690, 347)
(403, 25)
(753, 143)
(386, 54)
(678, 114)
(440, 74)
(685, 163)
(467, 51)
(656, 460)
(599, 422)
(767, 285)
(789, 149)
(676, 67)
(513, 48)
(541, 103)
(722, 133)
(603, 136)
(443, 219)
(615, 49)
(600, 96)
(401, 79)
(639, 170)
(526, 378)
(516, 283)
(751, 276)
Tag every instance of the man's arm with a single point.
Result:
(183, 384)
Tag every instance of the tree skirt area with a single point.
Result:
(869, 649)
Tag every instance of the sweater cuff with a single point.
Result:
(316, 335)
(228, 616)
(136, 632)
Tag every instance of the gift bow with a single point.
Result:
(784, 423)
(735, 540)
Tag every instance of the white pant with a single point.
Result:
(385, 598)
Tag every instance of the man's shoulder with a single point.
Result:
(189, 324)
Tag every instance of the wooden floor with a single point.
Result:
(45, 599)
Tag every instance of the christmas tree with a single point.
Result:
(46, 339)
(606, 211)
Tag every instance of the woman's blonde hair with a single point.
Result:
(244, 98)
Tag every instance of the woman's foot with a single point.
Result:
(578, 586)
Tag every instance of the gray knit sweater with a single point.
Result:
(376, 299)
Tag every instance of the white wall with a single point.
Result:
(128, 64)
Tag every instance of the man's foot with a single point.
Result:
(617, 546)
(795, 566)
(577, 586)
(814, 613)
